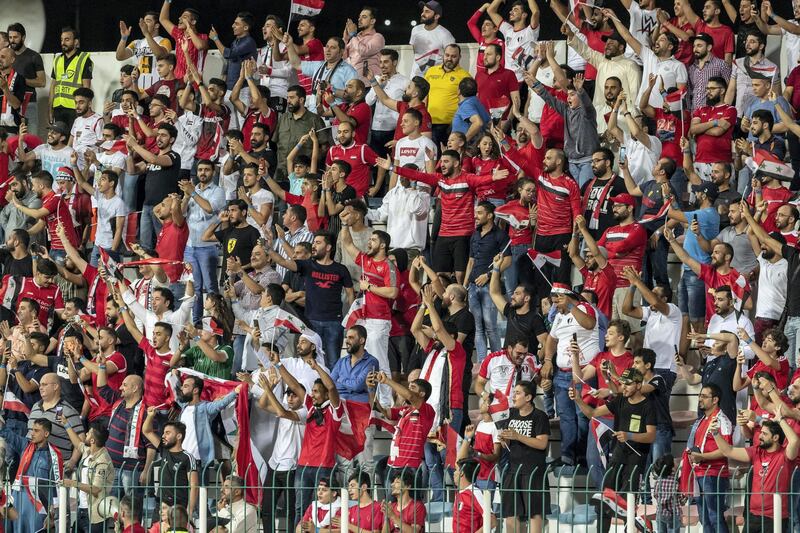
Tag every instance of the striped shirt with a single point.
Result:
(157, 367)
(410, 435)
(119, 428)
(58, 434)
(698, 78)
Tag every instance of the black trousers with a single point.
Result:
(278, 483)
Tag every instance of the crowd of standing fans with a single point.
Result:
(249, 280)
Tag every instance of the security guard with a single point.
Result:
(71, 69)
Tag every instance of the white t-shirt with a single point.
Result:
(190, 445)
(86, 132)
(642, 159)
(288, 440)
(260, 198)
(110, 161)
(662, 333)
(53, 159)
(107, 211)
(643, 22)
(408, 151)
(791, 43)
(146, 61)
(771, 288)
(189, 126)
(384, 119)
(564, 325)
(228, 182)
(428, 47)
(519, 47)
(671, 71)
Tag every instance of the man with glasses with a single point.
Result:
(596, 193)
(712, 128)
(705, 67)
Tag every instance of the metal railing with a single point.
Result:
(566, 500)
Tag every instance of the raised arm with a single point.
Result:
(682, 254)
(494, 12)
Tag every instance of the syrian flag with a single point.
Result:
(356, 313)
(602, 435)
(289, 321)
(9, 292)
(307, 8)
(111, 266)
(453, 443)
(513, 221)
(659, 215)
(674, 98)
(12, 403)
(499, 408)
(352, 432)
(540, 259)
(740, 289)
(499, 106)
(118, 145)
(250, 466)
(765, 163)
(381, 422)
(152, 261)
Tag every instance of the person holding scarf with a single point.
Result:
(41, 468)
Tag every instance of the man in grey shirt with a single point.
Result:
(12, 218)
(744, 259)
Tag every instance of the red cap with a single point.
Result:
(624, 198)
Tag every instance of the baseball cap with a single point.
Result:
(614, 36)
(433, 5)
(624, 198)
(708, 188)
(60, 127)
(703, 37)
(631, 375)
(65, 174)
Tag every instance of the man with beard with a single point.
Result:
(712, 128)
(771, 285)
(705, 67)
(311, 48)
(259, 143)
(293, 125)
(738, 238)
(721, 34)
(353, 151)
(598, 274)
(740, 85)
(363, 44)
(378, 285)
(721, 174)
(327, 76)
(609, 63)
(520, 32)
(456, 190)
(259, 201)
(429, 39)
(443, 99)
(354, 110)
(12, 92)
(71, 69)
(11, 218)
(761, 138)
(498, 88)
(597, 192)
(52, 155)
(16, 259)
(485, 34)
(87, 129)
(237, 236)
(30, 66)
(324, 281)
(405, 210)
(253, 107)
(786, 218)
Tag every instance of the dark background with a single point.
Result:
(98, 21)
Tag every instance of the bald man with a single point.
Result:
(51, 407)
(132, 457)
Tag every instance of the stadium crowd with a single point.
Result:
(236, 279)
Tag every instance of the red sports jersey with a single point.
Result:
(669, 130)
(625, 245)
(380, 274)
(361, 159)
(171, 244)
(772, 473)
(486, 436)
(501, 373)
(58, 211)
(552, 123)
(475, 31)
(494, 90)
(524, 233)
(620, 363)
(362, 114)
(424, 127)
(468, 511)
(410, 435)
(603, 283)
(313, 220)
(319, 440)
(684, 54)
(316, 51)
(49, 298)
(157, 367)
(457, 194)
(198, 57)
(456, 359)
(98, 407)
(254, 116)
(369, 518)
(497, 190)
(704, 440)
(413, 514)
(713, 279)
(712, 149)
(97, 294)
(774, 198)
(214, 124)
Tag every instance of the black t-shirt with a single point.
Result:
(173, 476)
(534, 424)
(18, 88)
(464, 321)
(70, 393)
(790, 253)
(160, 182)
(740, 30)
(632, 418)
(129, 348)
(32, 373)
(720, 371)
(323, 286)
(528, 326)
(16, 267)
(606, 215)
(237, 242)
(660, 399)
(28, 63)
(334, 222)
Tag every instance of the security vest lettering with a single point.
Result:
(67, 79)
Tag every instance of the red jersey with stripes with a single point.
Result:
(497, 190)
(361, 159)
(457, 194)
(603, 282)
(157, 366)
(559, 202)
(524, 233)
(198, 57)
(410, 435)
(380, 274)
(58, 211)
(625, 245)
(774, 199)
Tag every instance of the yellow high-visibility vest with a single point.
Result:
(67, 79)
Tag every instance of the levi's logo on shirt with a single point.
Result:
(408, 151)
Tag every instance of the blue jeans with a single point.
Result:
(713, 502)
(573, 424)
(692, 296)
(204, 261)
(485, 313)
(238, 355)
(306, 479)
(149, 228)
(511, 274)
(332, 334)
(791, 330)
(581, 172)
(434, 460)
(593, 459)
(668, 525)
(663, 443)
(129, 190)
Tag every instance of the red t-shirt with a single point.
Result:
(792, 81)
(313, 220)
(620, 363)
(781, 375)
(772, 472)
(49, 298)
(171, 244)
(362, 114)
(413, 514)
(361, 159)
(97, 294)
(380, 274)
(253, 117)
(684, 54)
(603, 283)
(58, 211)
(669, 130)
(625, 245)
(559, 202)
(168, 88)
(496, 190)
(316, 51)
(213, 126)
(722, 36)
(468, 511)
(405, 306)
(402, 107)
(319, 440)
(713, 279)
(485, 437)
(410, 435)
(475, 31)
(704, 440)
(322, 513)
(774, 198)
(494, 90)
(198, 57)
(713, 149)
(369, 518)
(98, 407)
(157, 367)
(523, 234)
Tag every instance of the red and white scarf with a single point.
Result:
(29, 483)
(594, 221)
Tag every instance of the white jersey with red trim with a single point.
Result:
(501, 372)
(564, 326)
